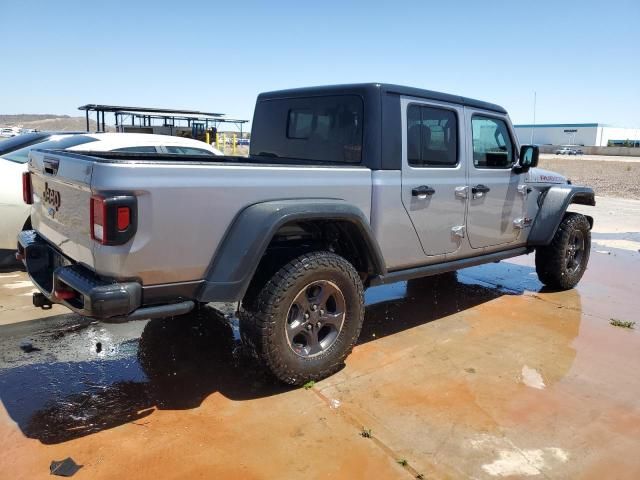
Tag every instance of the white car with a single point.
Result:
(9, 132)
(14, 213)
(566, 151)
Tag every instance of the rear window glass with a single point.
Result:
(316, 129)
(60, 143)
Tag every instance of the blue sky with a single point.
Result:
(582, 57)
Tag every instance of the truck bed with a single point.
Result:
(263, 160)
(185, 204)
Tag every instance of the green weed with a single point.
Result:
(622, 323)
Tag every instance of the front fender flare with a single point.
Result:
(247, 239)
(555, 202)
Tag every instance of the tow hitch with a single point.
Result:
(39, 300)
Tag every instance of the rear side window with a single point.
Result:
(492, 146)
(187, 150)
(60, 143)
(136, 149)
(324, 129)
(432, 137)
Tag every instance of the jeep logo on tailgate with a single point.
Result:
(51, 196)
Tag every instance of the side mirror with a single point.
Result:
(528, 158)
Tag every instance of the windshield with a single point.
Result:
(57, 143)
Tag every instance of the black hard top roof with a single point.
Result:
(380, 88)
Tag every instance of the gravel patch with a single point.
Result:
(608, 178)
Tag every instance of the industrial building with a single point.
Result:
(586, 134)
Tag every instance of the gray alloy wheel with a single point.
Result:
(575, 251)
(315, 318)
(303, 322)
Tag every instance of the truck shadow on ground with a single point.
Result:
(177, 363)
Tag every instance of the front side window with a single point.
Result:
(492, 146)
(322, 129)
(432, 137)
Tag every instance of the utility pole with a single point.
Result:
(534, 116)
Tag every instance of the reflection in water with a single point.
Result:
(403, 305)
(179, 362)
(176, 364)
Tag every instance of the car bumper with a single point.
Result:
(80, 289)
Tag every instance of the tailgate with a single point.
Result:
(61, 185)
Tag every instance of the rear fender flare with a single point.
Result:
(247, 239)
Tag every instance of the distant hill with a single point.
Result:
(47, 122)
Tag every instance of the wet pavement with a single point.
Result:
(479, 374)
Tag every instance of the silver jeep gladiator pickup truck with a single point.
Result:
(345, 187)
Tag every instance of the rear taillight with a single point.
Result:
(113, 219)
(27, 194)
(97, 215)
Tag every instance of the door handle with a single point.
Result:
(422, 191)
(479, 191)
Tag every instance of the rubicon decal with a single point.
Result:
(51, 197)
(551, 178)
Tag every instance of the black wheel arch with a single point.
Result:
(256, 228)
(553, 204)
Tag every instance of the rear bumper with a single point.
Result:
(80, 289)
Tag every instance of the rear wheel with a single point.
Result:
(562, 263)
(304, 321)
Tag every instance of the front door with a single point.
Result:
(433, 173)
(496, 204)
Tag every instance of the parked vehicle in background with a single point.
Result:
(15, 213)
(9, 132)
(569, 150)
(565, 151)
(345, 187)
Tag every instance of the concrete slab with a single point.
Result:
(480, 375)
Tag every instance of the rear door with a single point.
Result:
(433, 173)
(496, 203)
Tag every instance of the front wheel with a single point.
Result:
(562, 263)
(306, 318)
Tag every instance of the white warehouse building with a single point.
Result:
(587, 134)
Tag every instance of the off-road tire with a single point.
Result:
(551, 260)
(264, 317)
